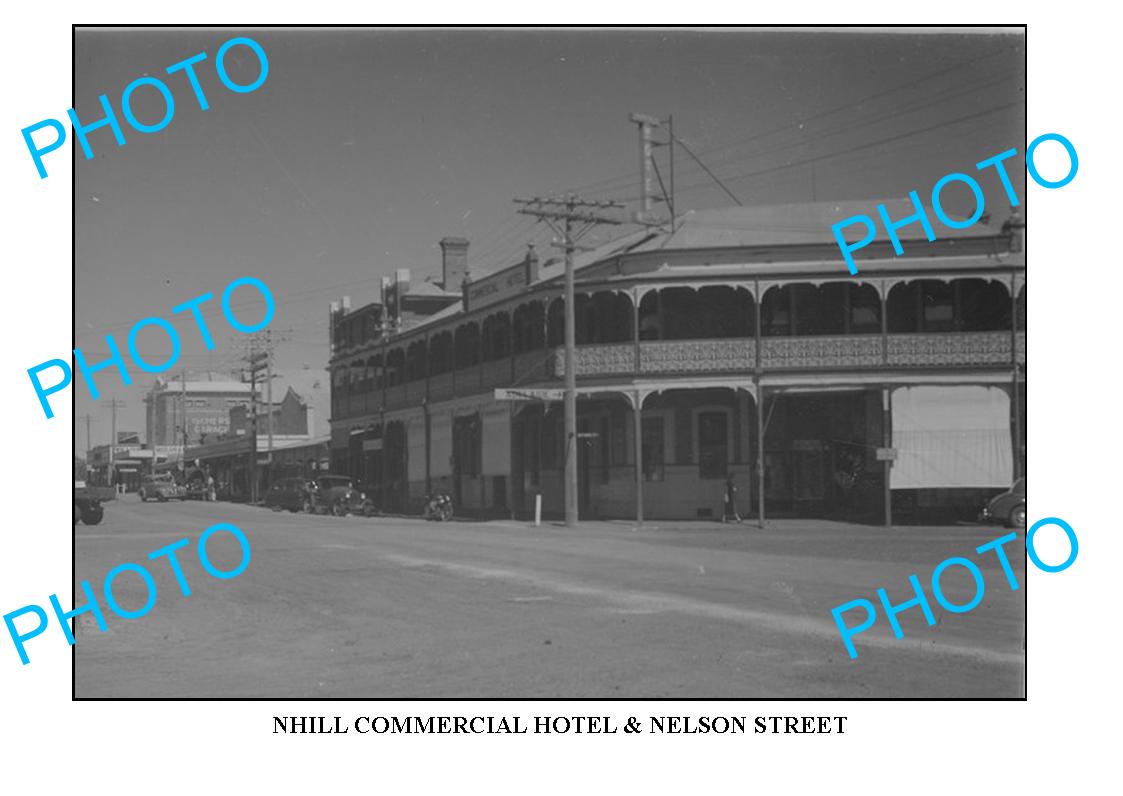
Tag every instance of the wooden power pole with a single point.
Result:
(570, 218)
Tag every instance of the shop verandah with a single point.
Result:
(819, 458)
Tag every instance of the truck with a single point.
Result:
(88, 499)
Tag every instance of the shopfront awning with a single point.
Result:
(951, 436)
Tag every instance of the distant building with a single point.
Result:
(201, 406)
(124, 464)
(299, 396)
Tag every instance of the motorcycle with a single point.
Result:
(438, 507)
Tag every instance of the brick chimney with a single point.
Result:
(454, 263)
(531, 264)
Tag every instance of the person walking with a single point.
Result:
(730, 512)
(211, 496)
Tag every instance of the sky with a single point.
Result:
(364, 147)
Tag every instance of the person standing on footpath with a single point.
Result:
(730, 511)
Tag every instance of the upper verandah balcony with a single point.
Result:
(639, 304)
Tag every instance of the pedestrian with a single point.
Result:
(730, 512)
(211, 496)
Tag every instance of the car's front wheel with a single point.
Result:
(91, 515)
(339, 508)
(1018, 517)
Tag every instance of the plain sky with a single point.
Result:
(364, 147)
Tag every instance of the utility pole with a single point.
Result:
(571, 219)
(113, 405)
(269, 409)
(183, 404)
(649, 169)
(87, 457)
(259, 357)
(257, 361)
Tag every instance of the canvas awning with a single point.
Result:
(951, 436)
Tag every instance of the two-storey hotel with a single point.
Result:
(735, 345)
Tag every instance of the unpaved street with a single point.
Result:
(353, 607)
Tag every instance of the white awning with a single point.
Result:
(951, 437)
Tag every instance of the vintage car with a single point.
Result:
(341, 495)
(1008, 508)
(88, 500)
(161, 486)
(294, 494)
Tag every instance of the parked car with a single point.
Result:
(88, 500)
(161, 486)
(294, 494)
(1008, 508)
(340, 495)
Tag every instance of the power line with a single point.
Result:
(818, 115)
(861, 147)
(705, 168)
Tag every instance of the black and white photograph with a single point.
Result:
(550, 363)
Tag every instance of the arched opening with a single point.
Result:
(379, 372)
(467, 345)
(603, 318)
(440, 353)
(395, 367)
(709, 313)
(730, 312)
(496, 337)
(958, 305)
(416, 364)
(528, 327)
(834, 308)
